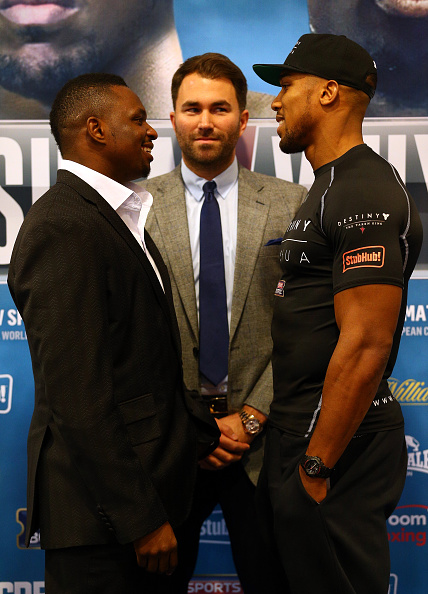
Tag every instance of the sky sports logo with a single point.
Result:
(6, 385)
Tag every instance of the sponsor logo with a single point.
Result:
(410, 391)
(214, 529)
(365, 257)
(22, 587)
(279, 291)
(215, 585)
(6, 385)
(12, 318)
(393, 584)
(407, 525)
(21, 518)
(417, 460)
(363, 220)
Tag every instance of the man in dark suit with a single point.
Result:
(111, 434)
(209, 94)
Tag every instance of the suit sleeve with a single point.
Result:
(289, 198)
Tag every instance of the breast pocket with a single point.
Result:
(141, 419)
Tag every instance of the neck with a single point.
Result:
(334, 138)
(208, 171)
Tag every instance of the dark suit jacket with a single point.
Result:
(266, 206)
(112, 446)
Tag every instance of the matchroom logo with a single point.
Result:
(408, 525)
(6, 384)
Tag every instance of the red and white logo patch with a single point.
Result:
(367, 257)
(279, 291)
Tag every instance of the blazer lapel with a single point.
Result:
(253, 210)
(88, 193)
(163, 271)
(171, 216)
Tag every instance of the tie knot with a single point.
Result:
(208, 189)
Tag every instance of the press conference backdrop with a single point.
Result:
(28, 163)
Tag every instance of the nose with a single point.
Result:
(151, 132)
(276, 103)
(205, 122)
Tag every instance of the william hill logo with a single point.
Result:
(410, 391)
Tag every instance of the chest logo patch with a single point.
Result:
(279, 291)
(366, 257)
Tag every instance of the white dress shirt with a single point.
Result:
(227, 198)
(131, 202)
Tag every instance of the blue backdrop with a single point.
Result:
(248, 33)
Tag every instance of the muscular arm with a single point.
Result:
(366, 317)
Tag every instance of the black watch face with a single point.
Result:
(312, 467)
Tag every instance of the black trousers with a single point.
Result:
(99, 569)
(233, 490)
(341, 544)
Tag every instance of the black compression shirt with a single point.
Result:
(357, 226)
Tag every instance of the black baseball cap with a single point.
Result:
(333, 57)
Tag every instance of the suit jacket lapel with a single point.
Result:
(88, 193)
(171, 216)
(253, 210)
(163, 271)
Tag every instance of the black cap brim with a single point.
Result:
(272, 73)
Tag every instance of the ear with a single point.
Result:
(329, 92)
(96, 129)
(243, 121)
(172, 118)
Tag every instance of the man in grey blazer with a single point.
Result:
(209, 98)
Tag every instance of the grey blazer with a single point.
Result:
(266, 206)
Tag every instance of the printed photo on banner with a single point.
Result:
(44, 45)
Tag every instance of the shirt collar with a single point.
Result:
(113, 192)
(225, 181)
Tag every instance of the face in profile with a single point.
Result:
(129, 137)
(42, 45)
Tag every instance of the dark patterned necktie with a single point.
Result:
(213, 324)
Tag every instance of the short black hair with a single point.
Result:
(80, 98)
(212, 65)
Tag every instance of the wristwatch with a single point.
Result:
(251, 424)
(314, 467)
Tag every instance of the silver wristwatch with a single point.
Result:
(251, 424)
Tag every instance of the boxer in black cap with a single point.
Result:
(335, 457)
